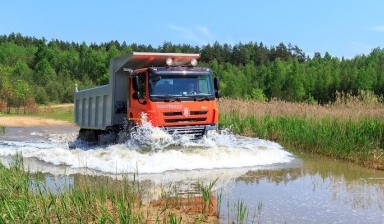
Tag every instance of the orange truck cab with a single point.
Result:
(168, 88)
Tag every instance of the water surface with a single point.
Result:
(271, 184)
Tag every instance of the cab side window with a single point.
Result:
(142, 86)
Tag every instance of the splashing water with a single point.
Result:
(149, 137)
(151, 150)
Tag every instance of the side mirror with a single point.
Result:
(216, 83)
(136, 95)
(135, 83)
(218, 94)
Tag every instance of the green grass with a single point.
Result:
(206, 192)
(360, 141)
(57, 114)
(25, 198)
(242, 212)
(2, 129)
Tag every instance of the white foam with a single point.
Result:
(121, 159)
(151, 150)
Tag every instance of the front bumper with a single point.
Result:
(197, 131)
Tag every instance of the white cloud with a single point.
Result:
(206, 32)
(200, 35)
(377, 28)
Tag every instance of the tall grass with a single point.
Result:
(343, 108)
(334, 130)
(2, 129)
(25, 198)
(209, 201)
(242, 212)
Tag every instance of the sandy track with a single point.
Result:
(23, 121)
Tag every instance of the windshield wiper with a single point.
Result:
(177, 98)
(168, 98)
(201, 98)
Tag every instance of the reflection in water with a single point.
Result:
(321, 190)
(275, 176)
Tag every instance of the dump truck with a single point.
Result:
(168, 88)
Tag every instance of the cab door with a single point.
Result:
(138, 102)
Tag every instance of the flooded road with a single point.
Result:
(257, 181)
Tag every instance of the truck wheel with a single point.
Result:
(107, 136)
(88, 135)
(130, 127)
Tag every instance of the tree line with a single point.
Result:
(41, 71)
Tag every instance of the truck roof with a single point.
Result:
(136, 60)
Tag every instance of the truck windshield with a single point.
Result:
(180, 87)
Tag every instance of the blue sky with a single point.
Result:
(342, 28)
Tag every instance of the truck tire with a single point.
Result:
(108, 136)
(88, 135)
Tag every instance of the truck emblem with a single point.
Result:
(186, 112)
(168, 106)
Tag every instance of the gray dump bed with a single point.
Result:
(93, 108)
(104, 106)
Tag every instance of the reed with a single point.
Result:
(25, 198)
(259, 210)
(344, 108)
(242, 212)
(351, 128)
(356, 140)
(2, 129)
(209, 202)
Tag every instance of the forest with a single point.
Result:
(39, 71)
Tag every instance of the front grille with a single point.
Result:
(187, 130)
(177, 116)
(199, 112)
(176, 120)
(178, 113)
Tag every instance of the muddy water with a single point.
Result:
(255, 177)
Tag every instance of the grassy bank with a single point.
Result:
(57, 112)
(349, 132)
(63, 112)
(26, 198)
